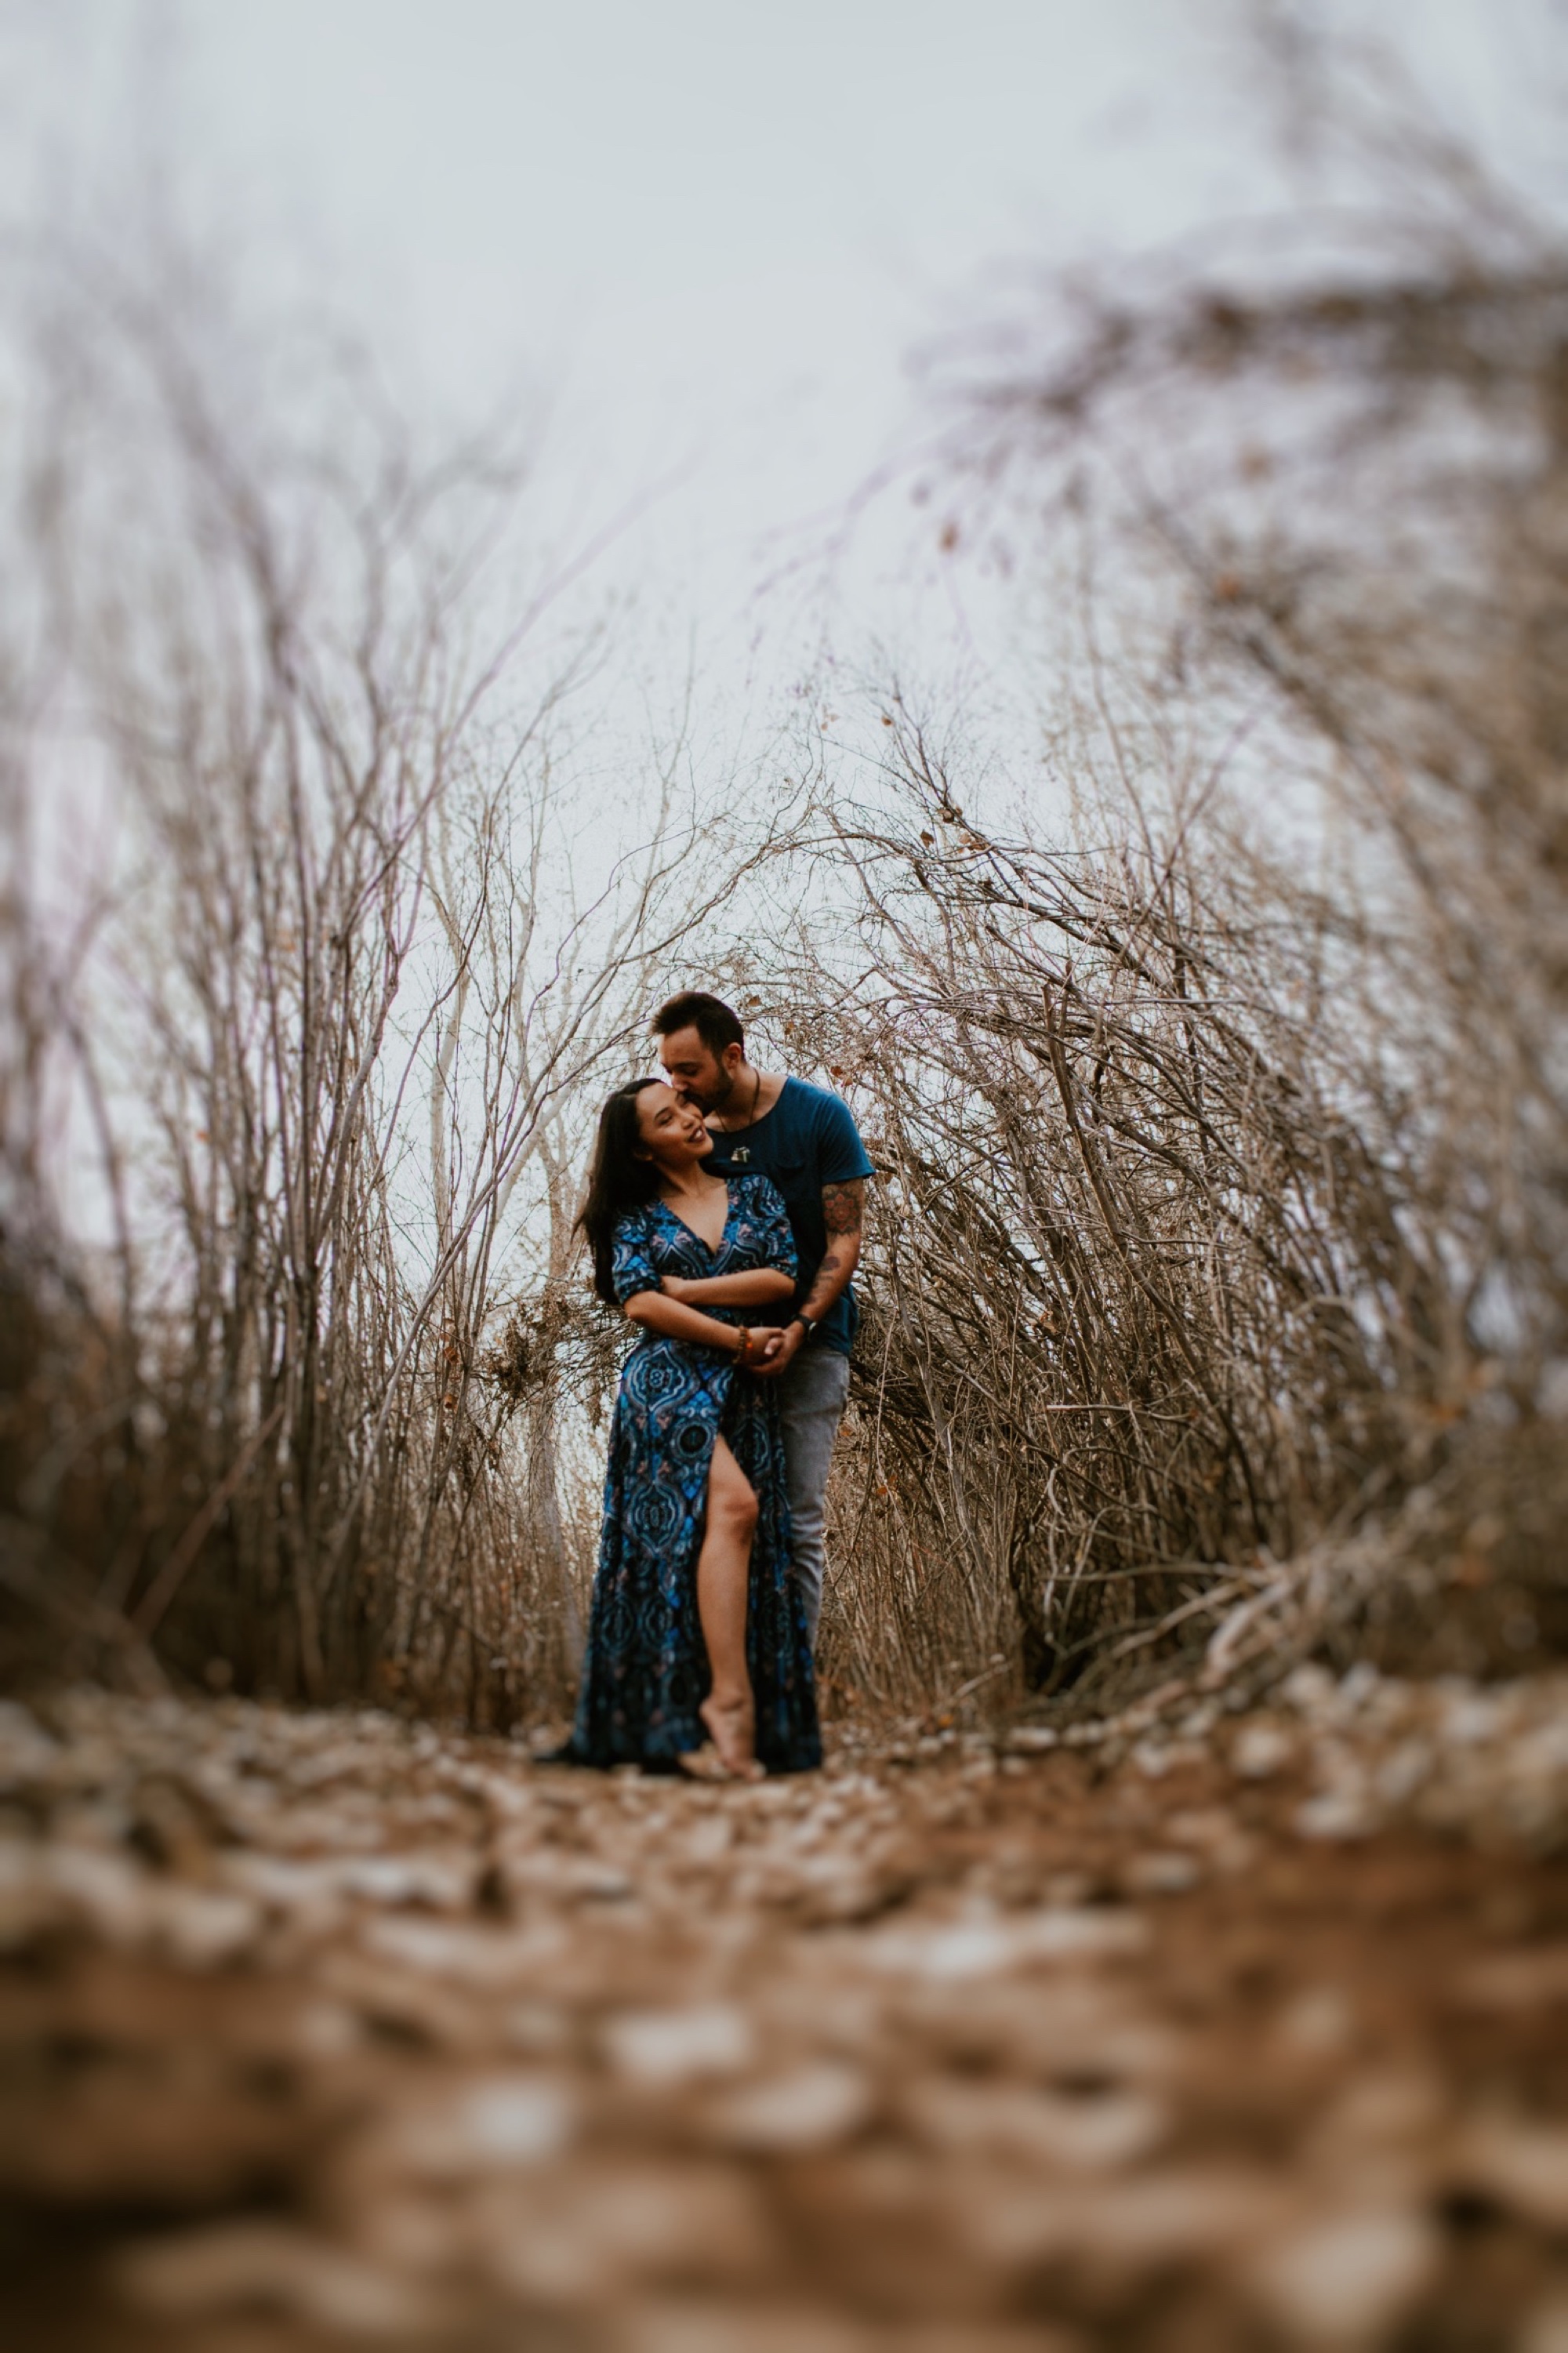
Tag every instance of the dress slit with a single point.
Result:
(646, 1670)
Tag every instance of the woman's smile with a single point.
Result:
(668, 1124)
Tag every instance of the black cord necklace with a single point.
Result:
(751, 1113)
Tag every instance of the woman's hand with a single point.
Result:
(675, 1286)
(774, 1351)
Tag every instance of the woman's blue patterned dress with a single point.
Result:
(646, 1671)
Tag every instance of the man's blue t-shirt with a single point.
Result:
(806, 1140)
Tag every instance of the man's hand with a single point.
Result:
(779, 1349)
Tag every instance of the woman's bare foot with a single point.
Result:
(734, 1726)
(703, 1764)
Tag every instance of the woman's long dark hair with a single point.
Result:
(617, 1179)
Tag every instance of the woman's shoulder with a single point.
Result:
(632, 1224)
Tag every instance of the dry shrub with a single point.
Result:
(1223, 1105)
(326, 1025)
(1142, 1295)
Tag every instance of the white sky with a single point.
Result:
(708, 233)
(705, 234)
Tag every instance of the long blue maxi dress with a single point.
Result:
(646, 1671)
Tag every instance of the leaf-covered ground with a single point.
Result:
(1199, 2033)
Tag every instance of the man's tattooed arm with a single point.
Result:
(843, 1208)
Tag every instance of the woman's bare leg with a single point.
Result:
(723, 1578)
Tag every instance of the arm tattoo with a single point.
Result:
(842, 1205)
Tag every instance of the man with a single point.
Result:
(805, 1139)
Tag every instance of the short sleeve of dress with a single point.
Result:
(773, 1239)
(631, 1257)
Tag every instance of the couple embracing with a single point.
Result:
(724, 1215)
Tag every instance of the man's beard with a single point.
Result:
(707, 1101)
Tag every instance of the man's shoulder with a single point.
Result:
(829, 1123)
(818, 1105)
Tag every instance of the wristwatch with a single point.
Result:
(807, 1323)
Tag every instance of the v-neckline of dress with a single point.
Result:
(712, 1249)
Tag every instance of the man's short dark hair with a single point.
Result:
(717, 1024)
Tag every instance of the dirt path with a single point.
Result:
(322, 2030)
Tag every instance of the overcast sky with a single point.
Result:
(708, 233)
(704, 235)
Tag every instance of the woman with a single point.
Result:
(696, 1628)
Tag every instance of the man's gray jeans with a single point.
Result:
(811, 1406)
